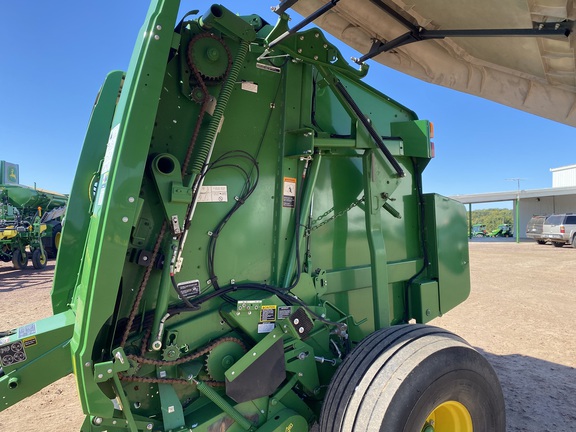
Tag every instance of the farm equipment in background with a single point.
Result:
(256, 252)
(479, 230)
(503, 230)
(30, 223)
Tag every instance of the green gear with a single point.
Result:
(171, 353)
(197, 95)
(222, 357)
(209, 56)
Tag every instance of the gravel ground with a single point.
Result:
(520, 315)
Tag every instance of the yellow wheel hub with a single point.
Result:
(450, 416)
(57, 240)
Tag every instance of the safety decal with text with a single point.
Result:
(289, 193)
(213, 194)
(284, 312)
(268, 313)
(189, 289)
(26, 330)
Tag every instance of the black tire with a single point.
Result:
(558, 244)
(38, 259)
(574, 242)
(399, 377)
(542, 242)
(19, 259)
(52, 243)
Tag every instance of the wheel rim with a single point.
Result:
(57, 240)
(449, 416)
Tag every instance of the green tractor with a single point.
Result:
(478, 230)
(256, 252)
(30, 224)
(503, 230)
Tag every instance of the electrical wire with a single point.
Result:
(251, 178)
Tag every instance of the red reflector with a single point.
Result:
(562, 230)
(432, 150)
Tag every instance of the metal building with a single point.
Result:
(560, 198)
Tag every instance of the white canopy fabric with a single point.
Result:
(533, 74)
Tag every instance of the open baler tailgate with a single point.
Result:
(534, 72)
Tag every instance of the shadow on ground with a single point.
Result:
(12, 279)
(536, 390)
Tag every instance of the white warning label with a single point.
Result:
(289, 193)
(213, 194)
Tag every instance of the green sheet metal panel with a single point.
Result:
(447, 240)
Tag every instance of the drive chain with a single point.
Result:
(193, 356)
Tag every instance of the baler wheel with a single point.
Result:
(19, 259)
(414, 378)
(52, 243)
(38, 259)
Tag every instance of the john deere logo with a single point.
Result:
(12, 175)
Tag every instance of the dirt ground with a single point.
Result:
(520, 315)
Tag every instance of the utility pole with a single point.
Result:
(517, 219)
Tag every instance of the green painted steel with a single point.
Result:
(243, 229)
(35, 355)
(83, 191)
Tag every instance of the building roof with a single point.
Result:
(512, 195)
(563, 168)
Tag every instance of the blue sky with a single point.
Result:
(55, 55)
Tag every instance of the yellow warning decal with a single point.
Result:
(29, 341)
(268, 313)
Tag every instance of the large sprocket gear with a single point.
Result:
(222, 357)
(209, 56)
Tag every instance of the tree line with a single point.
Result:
(491, 217)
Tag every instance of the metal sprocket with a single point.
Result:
(209, 56)
(222, 357)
